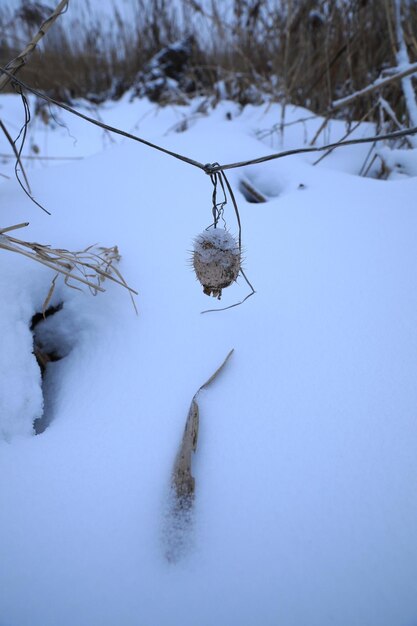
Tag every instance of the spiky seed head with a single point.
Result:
(216, 260)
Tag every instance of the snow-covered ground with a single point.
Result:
(306, 468)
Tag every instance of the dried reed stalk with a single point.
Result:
(89, 267)
(180, 518)
(183, 481)
(379, 83)
(20, 60)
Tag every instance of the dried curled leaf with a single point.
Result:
(182, 479)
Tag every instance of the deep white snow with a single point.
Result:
(306, 468)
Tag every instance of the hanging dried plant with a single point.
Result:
(216, 260)
(217, 255)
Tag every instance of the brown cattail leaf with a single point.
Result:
(182, 479)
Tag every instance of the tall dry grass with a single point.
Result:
(307, 52)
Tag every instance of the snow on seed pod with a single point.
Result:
(216, 260)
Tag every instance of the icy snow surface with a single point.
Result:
(306, 468)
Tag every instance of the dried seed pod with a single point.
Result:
(216, 260)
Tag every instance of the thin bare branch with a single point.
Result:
(16, 153)
(14, 65)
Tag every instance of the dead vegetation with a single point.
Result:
(182, 479)
(307, 52)
(89, 267)
(354, 57)
(92, 265)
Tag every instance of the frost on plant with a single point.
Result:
(216, 260)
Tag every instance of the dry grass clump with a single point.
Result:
(89, 267)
